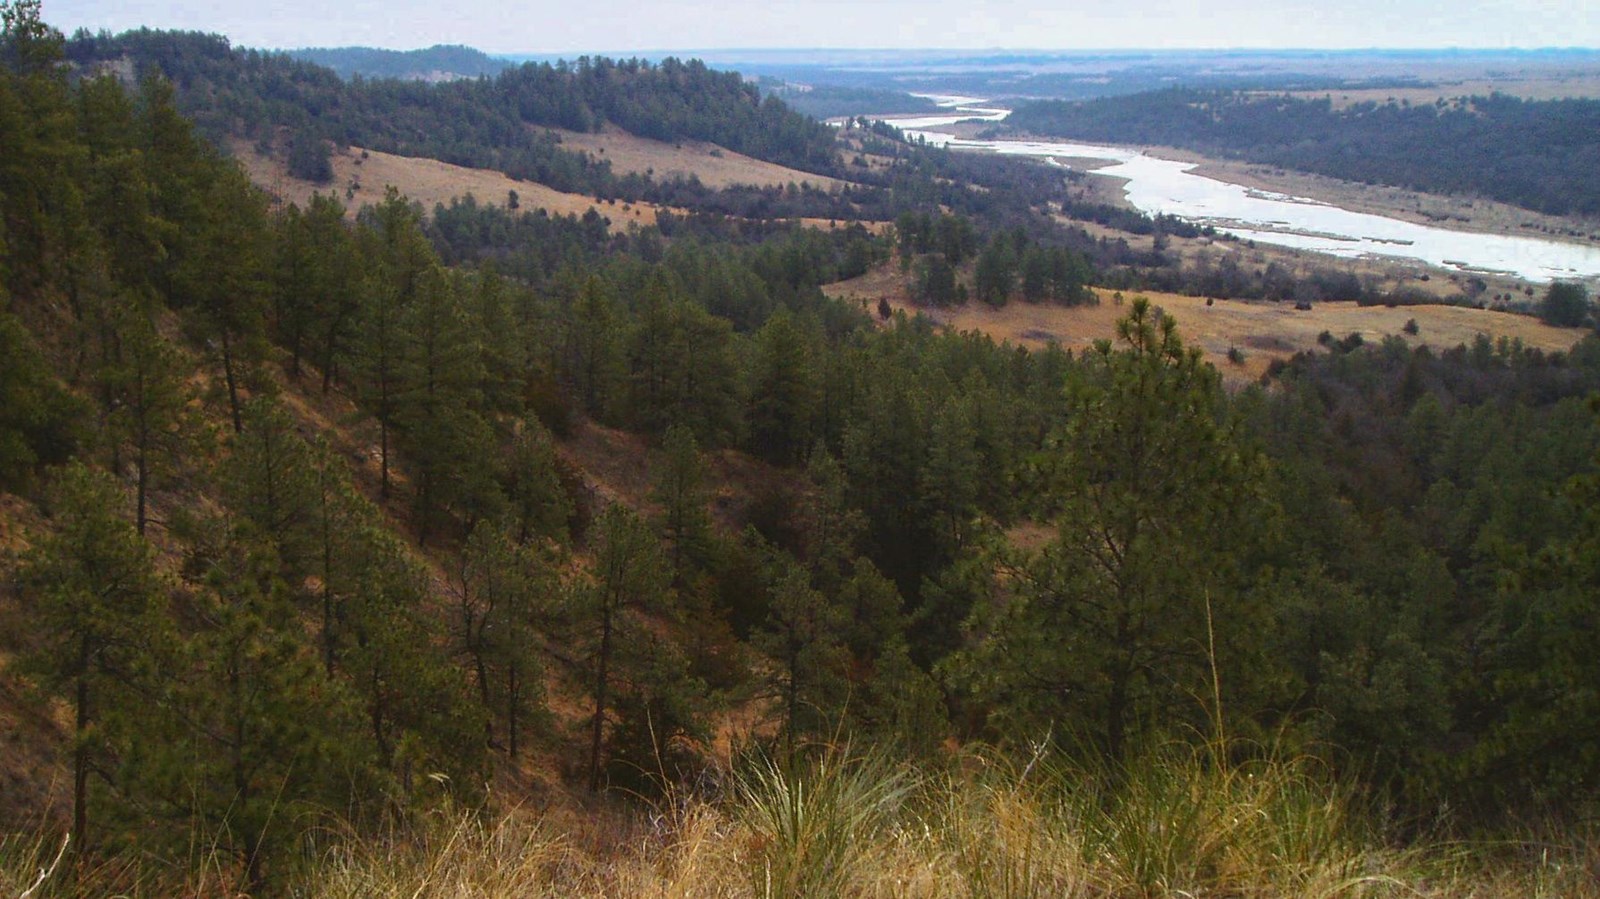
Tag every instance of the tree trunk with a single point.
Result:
(512, 701)
(142, 463)
(599, 701)
(1117, 711)
(80, 752)
(233, 384)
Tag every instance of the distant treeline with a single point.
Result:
(496, 124)
(826, 101)
(372, 62)
(1541, 155)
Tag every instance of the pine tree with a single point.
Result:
(630, 578)
(532, 485)
(447, 441)
(1159, 506)
(507, 593)
(38, 417)
(98, 607)
(250, 732)
(149, 404)
(804, 636)
(782, 391)
(679, 490)
(399, 258)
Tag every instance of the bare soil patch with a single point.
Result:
(715, 166)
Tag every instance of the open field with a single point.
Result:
(713, 165)
(1547, 85)
(360, 180)
(1262, 332)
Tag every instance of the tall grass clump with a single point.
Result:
(1008, 833)
(1180, 819)
(454, 853)
(813, 827)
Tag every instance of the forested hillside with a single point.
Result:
(321, 537)
(435, 63)
(1535, 154)
(486, 123)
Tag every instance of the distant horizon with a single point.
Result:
(546, 28)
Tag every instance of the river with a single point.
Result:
(1164, 186)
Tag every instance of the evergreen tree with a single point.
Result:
(1158, 507)
(680, 493)
(444, 434)
(149, 405)
(593, 360)
(539, 504)
(250, 733)
(399, 259)
(803, 635)
(98, 607)
(505, 592)
(38, 417)
(783, 390)
(630, 578)
(996, 273)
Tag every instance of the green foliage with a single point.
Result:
(817, 821)
(537, 500)
(630, 578)
(310, 158)
(97, 605)
(506, 593)
(679, 490)
(804, 636)
(782, 389)
(251, 733)
(1489, 152)
(1157, 505)
(38, 417)
(996, 273)
(1566, 305)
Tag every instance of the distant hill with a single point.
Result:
(1540, 155)
(495, 123)
(441, 62)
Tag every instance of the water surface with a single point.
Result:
(1164, 186)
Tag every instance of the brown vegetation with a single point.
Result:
(360, 177)
(715, 166)
(1260, 332)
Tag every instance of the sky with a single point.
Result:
(562, 26)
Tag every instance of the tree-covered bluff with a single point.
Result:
(1537, 154)
(498, 123)
(318, 549)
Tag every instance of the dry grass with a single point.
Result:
(714, 166)
(359, 181)
(1555, 85)
(1261, 332)
(1178, 821)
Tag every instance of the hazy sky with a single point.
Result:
(563, 26)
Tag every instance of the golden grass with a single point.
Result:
(1260, 331)
(715, 166)
(1177, 821)
(359, 181)
(1528, 86)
